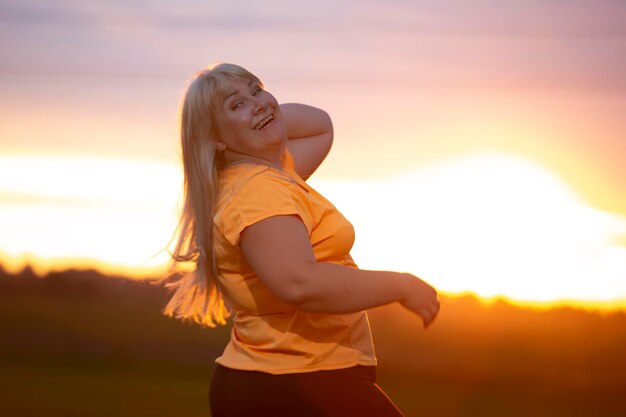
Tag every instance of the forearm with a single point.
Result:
(310, 134)
(304, 121)
(338, 289)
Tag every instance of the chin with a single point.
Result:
(281, 134)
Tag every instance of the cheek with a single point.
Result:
(241, 120)
(233, 124)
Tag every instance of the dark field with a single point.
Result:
(80, 344)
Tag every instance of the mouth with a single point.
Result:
(264, 122)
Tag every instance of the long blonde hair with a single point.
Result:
(197, 295)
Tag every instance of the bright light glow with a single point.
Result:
(489, 224)
(115, 212)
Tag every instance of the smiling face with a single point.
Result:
(250, 122)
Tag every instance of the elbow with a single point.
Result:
(327, 137)
(298, 290)
(328, 126)
(327, 120)
(296, 297)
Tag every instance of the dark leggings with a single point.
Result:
(342, 392)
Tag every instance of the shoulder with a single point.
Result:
(261, 181)
(245, 177)
(260, 188)
(257, 194)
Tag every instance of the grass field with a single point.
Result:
(79, 344)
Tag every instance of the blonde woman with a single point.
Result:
(275, 254)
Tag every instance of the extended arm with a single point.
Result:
(310, 134)
(279, 250)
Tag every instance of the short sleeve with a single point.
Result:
(265, 195)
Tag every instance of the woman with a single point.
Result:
(277, 254)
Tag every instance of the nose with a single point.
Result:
(260, 105)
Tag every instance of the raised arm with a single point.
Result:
(310, 134)
(279, 250)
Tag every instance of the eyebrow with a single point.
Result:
(250, 84)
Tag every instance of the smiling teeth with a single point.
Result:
(264, 122)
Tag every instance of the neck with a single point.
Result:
(233, 157)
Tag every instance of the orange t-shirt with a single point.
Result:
(269, 335)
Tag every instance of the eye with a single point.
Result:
(236, 105)
(256, 91)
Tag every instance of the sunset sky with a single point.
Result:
(480, 145)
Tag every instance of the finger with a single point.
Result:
(426, 316)
(429, 314)
(436, 299)
(434, 316)
(434, 309)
